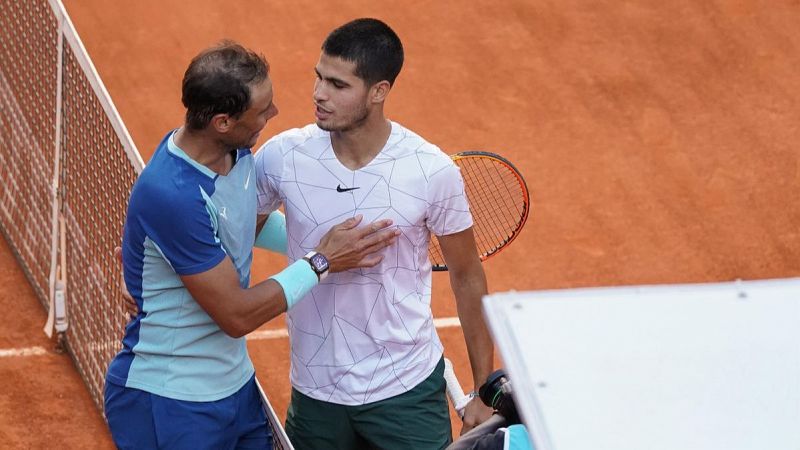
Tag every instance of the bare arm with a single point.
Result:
(468, 282)
(244, 310)
(239, 311)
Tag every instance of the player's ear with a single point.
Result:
(222, 123)
(379, 91)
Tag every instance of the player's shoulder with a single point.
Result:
(407, 141)
(168, 183)
(408, 144)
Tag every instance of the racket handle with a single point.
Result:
(454, 391)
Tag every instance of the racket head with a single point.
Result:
(498, 200)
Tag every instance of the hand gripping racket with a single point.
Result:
(498, 200)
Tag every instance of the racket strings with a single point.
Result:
(498, 201)
(495, 196)
(479, 195)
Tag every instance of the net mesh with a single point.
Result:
(28, 79)
(95, 174)
(96, 178)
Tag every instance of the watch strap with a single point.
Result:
(321, 274)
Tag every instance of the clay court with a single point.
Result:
(658, 141)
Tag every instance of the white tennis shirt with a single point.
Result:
(363, 335)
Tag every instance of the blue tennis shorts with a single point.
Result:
(139, 419)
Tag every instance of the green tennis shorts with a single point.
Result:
(417, 419)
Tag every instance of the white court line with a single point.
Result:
(442, 322)
(30, 351)
(267, 334)
(446, 322)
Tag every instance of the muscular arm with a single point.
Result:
(469, 285)
(468, 282)
(239, 311)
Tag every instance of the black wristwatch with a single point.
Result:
(319, 263)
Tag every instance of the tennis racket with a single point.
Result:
(455, 393)
(498, 199)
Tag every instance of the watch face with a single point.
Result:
(319, 262)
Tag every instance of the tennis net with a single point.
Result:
(67, 163)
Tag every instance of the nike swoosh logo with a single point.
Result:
(247, 181)
(339, 188)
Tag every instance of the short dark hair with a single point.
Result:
(371, 45)
(218, 81)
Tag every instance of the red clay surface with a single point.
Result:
(43, 401)
(658, 139)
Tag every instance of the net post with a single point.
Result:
(55, 194)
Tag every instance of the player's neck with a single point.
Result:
(204, 149)
(357, 147)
